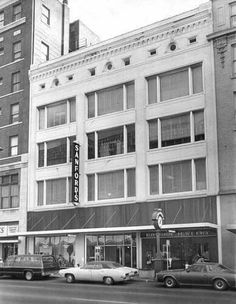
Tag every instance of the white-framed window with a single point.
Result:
(54, 152)
(111, 185)
(15, 82)
(44, 51)
(233, 14)
(15, 108)
(17, 10)
(174, 84)
(1, 19)
(177, 129)
(54, 191)
(110, 100)
(9, 191)
(17, 50)
(176, 177)
(13, 146)
(57, 113)
(45, 14)
(112, 141)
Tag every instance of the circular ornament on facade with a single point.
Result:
(172, 46)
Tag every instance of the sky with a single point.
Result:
(110, 18)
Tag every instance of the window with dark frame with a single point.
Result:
(1, 50)
(13, 145)
(45, 51)
(17, 10)
(9, 191)
(45, 14)
(1, 19)
(14, 113)
(233, 15)
(15, 82)
(17, 50)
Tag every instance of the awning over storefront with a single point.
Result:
(231, 228)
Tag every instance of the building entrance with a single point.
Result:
(9, 249)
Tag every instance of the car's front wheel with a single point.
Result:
(108, 281)
(70, 278)
(219, 284)
(170, 282)
(28, 275)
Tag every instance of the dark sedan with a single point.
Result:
(202, 274)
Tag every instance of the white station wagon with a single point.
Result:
(99, 271)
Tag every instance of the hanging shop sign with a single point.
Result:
(75, 173)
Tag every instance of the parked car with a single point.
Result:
(99, 271)
(29, 266)
(204, 274)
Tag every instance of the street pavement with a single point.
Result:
(140, 291)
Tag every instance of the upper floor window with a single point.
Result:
(15, 82)
(174, 84)
(111, 100)
(58, 113)
(45, 15)
(113, 141)
(234, 58)
(1, 50)
(13, 146)
(233, 14)
(55, 151)
(14, 113)
(16, 50)
(1, 19)
(175, 130)
(9, 191)
(182, 176)
(45, 51)
(16, 12)
(1, 80)
(111, 185)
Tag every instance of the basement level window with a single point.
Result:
(92, 71)
(152, 52)
(192, 40)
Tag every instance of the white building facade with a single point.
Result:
(142, 108)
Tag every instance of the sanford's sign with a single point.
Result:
(75, 173)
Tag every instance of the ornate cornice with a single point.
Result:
(77, 59)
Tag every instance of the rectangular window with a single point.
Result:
(1, 19)
(91, 145)
(199, 132)
(175, 130)
(56, 152)
(110, 142)
(71, 140)
(14, 113)
(200, 169)
(111, 185)
(56, 191)
(40, 185)
(233, 15)
(154, 179)
(197, 79)
(44, 51)
(130, 138)
(1, 80)
(174, 84)
(13, 145)
(131, 182)
(57, 113)
(91, 187)
(152, 90)
(111, 100)
(16, 50)
(1, 50)
(16, 12)
(9, 191)
(15, 82)
(234, 59)
(177, 177)
(41, 155)
(45, 15)
(153, 133)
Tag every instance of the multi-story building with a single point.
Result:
(224, 41)
(30, 32)
(142, 108)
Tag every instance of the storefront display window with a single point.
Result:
(61, 247)
(120, 248)
(179, 248)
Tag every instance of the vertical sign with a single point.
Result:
(75, 174)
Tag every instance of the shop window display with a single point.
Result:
(61, 247)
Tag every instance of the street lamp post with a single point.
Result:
(157, 219)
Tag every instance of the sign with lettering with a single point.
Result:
(8, 230)
(75, 173)
(179, 233)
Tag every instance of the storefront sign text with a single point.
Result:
(8, 230)
(75, 173)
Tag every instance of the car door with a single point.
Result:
(97, 272)
(195, 275)
(84, 273)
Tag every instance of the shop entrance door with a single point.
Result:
(9, 249)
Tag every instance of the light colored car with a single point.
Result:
(99, 271)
